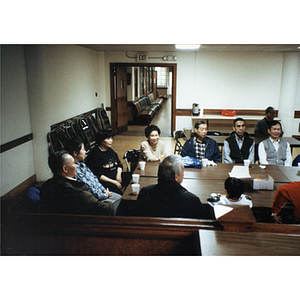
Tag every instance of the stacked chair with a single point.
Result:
(131, 158)
(180, 138)
(83, 127)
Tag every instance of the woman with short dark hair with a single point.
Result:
(153, 149)
(105, 163)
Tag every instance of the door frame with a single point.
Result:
(174, 88)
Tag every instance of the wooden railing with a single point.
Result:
(53, 234)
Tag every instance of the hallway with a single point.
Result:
(162, 120)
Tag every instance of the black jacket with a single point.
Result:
(62, 195)
(212, 151)
(168, 199)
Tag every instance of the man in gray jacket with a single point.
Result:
(273, 150)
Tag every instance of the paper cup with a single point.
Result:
(204, 162)
(135, 188)
(142, 165)
(246, 162)
(299, 166)
(135, 178)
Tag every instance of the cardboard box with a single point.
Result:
(266, 183)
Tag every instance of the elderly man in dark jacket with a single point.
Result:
(168, 198)
(202, 146)
(63, 194)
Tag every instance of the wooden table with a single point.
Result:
(291, 173)
(219, 172)
(222, 243)
(204, 187)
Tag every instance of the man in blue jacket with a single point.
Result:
(202, 146)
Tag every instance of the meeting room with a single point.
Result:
(159, 129)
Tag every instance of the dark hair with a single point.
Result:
(73, 145)
(198, 123)
(56, 161)
(151, 128)
(238, 119)
(234, 187)
(102, 135)
(274, 122)
(268, 109)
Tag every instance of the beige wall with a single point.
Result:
(16, 164)
(61, 82)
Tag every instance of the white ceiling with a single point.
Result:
(204, 48)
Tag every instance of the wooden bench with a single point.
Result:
(147, 107)
(54, 234)
(62, 234)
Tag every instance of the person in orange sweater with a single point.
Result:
(287, 192)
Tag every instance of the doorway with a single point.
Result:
(138, 80)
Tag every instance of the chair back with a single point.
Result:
(102, 119)
(215, 133)
(87, 133)
(180, 139)
(131, 158)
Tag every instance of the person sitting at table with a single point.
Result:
(64, 194)
(234, 189)
(168, 198)
(201, 146)
(76, 148)
(152, 149)
(262, 126)
(105, 163)
(287, 193)
(275, 151)
(239, 145)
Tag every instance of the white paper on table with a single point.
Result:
(240, 172)
(221, 210)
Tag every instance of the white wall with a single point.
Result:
(17, 164)
(289, 92)
(62, 82)
(237, 80)
(229, 80)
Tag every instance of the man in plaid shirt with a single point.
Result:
(202, 146)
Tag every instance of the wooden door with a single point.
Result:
(154, 83)
(121, 99)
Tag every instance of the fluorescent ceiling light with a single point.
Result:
(187, 47)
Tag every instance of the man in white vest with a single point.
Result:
(273, 150)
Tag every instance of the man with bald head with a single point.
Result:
(63, 194)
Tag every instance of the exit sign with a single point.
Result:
(142, 57)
